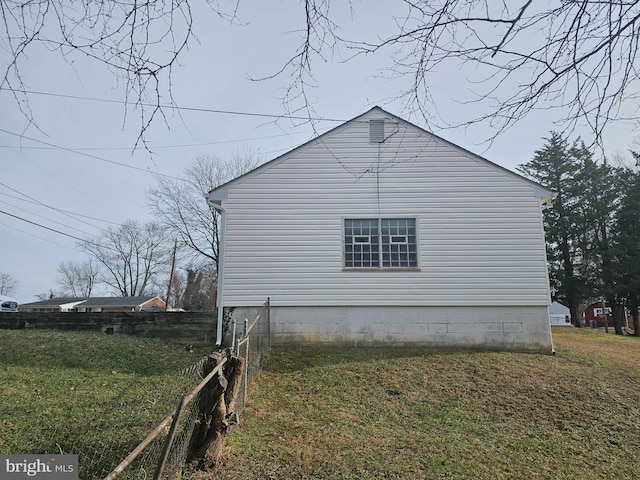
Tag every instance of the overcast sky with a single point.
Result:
(79, 157)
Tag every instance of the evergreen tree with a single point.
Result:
(597, 187)
(628, 245)
(199, 294)
(555, 167)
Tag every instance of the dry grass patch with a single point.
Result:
(424, 413)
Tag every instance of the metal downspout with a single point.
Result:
(219, 301)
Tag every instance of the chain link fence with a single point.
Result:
(171, 445)
(111, 435)
(251, 340)
(190, 429)
(192, 435)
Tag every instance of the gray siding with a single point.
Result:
(480, 233)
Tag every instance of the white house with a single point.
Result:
(381, 233)
(56, 304)
(559, 315)
(96, 304)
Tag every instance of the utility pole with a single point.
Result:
(173, 265)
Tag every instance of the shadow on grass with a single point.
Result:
(291, 359)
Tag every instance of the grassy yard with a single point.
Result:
(426, 414)
(91, 394)
(342, 413)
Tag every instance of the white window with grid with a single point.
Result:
(380, 243)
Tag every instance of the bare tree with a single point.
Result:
(78, 279)
(8, 284)
(131, 256)
(139, 42)
(579, 57)
(180, 203)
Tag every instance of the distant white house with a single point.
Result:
(559, 315)
(96, 304)
(145, 303)
(55, 304)
(381, 233)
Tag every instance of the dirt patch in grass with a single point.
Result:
(420, 413)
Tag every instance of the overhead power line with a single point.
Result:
(177, 107)
(56, 231)
(161, 147)
(35, 201)
(42, 226)
(46, 218)
(36, 236)
(77, 152)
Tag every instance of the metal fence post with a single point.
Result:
(233, 333)
(268, 321)
(167, 444)
(246, 360)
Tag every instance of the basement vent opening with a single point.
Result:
(376, 131)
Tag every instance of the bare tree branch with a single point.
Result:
(577, 57)
(181, 206)
(131, 256)
(77, 279)
(8, 284)
(139, 42)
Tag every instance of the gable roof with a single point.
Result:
(219, 193)
(54, 302)
(556, 308)
(117, 301)
(92, 301)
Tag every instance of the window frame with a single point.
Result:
(394, 238)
